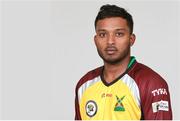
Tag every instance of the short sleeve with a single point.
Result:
(155, 98)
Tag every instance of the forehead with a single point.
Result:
(112, 23)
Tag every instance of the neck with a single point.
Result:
(113, 71)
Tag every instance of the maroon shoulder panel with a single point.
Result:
(90, 75)
(154, 93)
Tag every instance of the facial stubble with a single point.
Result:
(121, 56)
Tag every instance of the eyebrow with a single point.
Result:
(121, 29)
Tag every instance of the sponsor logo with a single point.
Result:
(106, 95)
(119, 105)
(160, 106)
(91, 108)
(160, 91)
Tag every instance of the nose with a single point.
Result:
(111, 39)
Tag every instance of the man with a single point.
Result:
(122, 89)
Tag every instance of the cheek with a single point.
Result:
(123, 44)
(100, 45)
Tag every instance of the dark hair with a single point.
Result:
(108, 11)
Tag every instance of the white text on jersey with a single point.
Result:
(160, 91)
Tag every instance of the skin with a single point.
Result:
(113, 41)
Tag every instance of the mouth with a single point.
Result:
(111, 50)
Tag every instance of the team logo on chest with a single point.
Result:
(91, 108)
(119, 105)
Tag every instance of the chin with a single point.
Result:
(112, 61)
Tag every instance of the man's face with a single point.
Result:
(113, 39)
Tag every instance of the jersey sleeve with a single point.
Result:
(77, 107)
(77, 111)
(155, 97)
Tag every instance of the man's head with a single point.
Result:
(114, 37)
(108, 11)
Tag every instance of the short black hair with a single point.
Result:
(108, 11)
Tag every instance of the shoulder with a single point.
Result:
(89, 76)
(145, 75)
(148, 81)
(153, 90)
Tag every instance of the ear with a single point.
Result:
(95, 39)
(132, 39)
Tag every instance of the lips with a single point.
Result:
(110, 50)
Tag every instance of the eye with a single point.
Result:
(103, 34)
(119, 34)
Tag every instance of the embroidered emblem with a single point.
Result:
(119, 105)
(91, 108)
